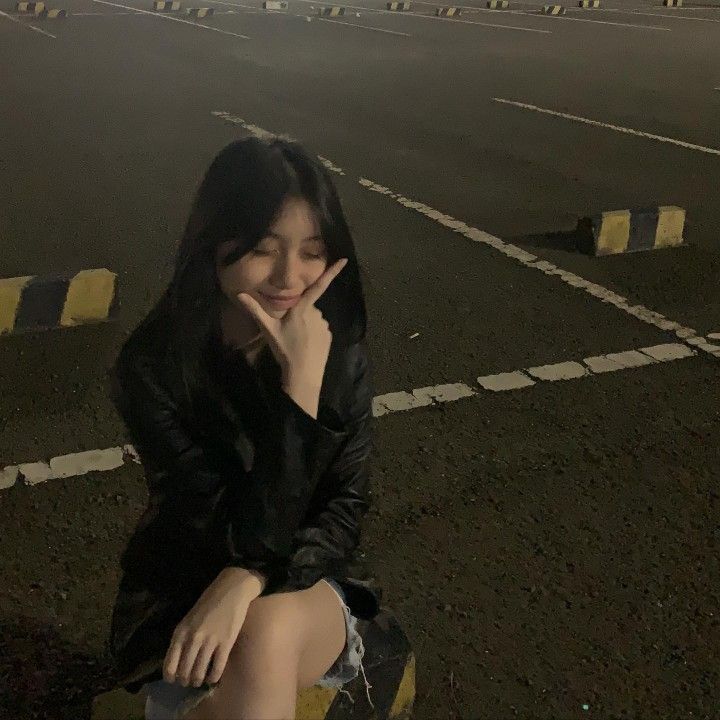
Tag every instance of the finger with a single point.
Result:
(256, 310)
(222, 653)
(187, 661)
(172, 658)
(316, 290)
(200, 668)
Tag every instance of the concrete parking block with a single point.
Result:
(166, 5)
(33, 303)
(31, 8)
(633, 230)
(275, 5)
(399, 6)
(201, 12)
(448, 12)
(331, 11)
(498, 4)
(589, 3)
(553, 10)
(560, 371)
(505, 381)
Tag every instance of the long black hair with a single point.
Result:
(239, 198)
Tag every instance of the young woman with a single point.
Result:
(247, 394)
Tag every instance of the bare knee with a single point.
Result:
(265, 641)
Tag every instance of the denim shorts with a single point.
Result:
(170, 701)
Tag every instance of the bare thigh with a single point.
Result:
(298, 634)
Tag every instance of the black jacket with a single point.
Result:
(258, 483)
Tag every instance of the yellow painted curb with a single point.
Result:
(331, 11)
(448, 12)
(10, 295)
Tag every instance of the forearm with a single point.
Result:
(250, 583)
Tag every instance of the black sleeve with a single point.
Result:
(257, 512)
(324, 543)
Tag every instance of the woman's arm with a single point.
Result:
(261, 512)
(326, 543)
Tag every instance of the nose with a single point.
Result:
(286, 273)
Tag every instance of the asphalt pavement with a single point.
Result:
(550, 550)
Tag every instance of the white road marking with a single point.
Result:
(559, 371)
(531, 261)
(432, 17)
(330, 165)
(174, 19)
(601, 22)
(78, 464)
(264, 135)
(663, 15)
(365, 27)
(714, 336)
(588, 20)
(27, 25)
(617, 128)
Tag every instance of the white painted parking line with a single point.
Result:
(663, 15)
(596, 22)
(174, 19)
(330, 165)
(432, 17)
(688, 335)
(27, 25)
(617, 128)
(365, 27)
(78, 464)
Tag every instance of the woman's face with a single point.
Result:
(290, 258)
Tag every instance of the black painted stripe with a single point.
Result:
(41, 303)
(643, 227)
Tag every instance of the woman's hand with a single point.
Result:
(301, 340)
(209, 631)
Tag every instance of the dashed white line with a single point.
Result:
(688, 335)
(617, 128)
(663, 15)
(78, 464)
(174, 19)
(27, 25)
(597, 22)
(330, 165)
(365, 27)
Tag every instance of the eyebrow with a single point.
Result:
(277, 236)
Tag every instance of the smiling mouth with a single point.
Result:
(279, 298)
